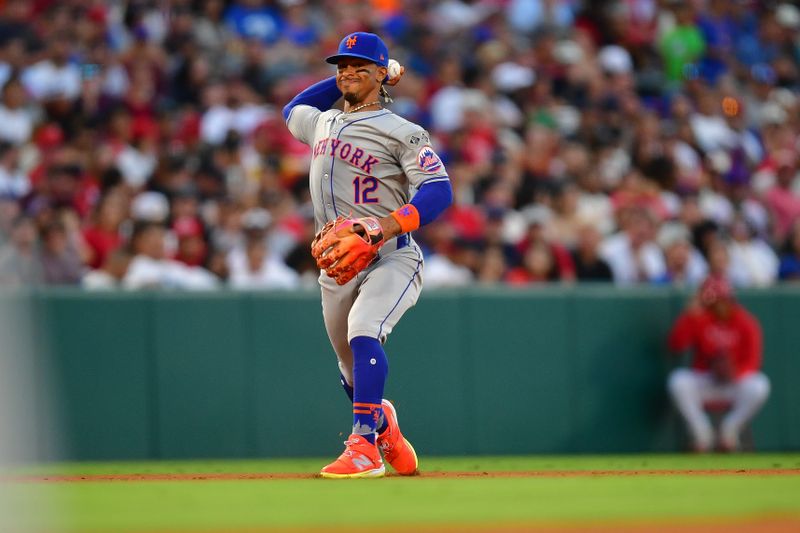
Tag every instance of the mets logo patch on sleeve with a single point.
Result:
(428, 160)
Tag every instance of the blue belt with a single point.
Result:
(403, 240)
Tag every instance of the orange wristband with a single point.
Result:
(408, 218)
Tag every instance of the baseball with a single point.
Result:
(394, 69)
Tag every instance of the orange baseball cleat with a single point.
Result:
(359, 459)
(397, 451)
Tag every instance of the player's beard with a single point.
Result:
(351, 98)
(358, 94)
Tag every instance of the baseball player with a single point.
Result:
(726, 366)
(366, 162)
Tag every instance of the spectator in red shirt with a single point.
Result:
(102, 235)
(727, 345)
(537, 266)
(536, 248)
(192, 249)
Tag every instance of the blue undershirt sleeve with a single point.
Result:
(431, 199)
(321, 95)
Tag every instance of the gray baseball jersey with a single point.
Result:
(363, 163)
(366, 164)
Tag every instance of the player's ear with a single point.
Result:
(381, 74)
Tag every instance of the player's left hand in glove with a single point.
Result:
(346, 246)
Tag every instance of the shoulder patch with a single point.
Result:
(428, 161)
(419, 138)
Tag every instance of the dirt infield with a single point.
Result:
(217, 476)
(781, 518)
(606, 473)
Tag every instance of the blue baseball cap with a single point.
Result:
(363, 45)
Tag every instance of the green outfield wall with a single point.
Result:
(479, 371)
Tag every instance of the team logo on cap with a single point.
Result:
(351, 41)
(428, 160)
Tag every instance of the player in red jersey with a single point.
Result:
(726, 364)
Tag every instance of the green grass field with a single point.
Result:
(561, 492)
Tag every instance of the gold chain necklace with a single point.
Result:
(362, 106)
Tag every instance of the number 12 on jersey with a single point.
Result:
(364, 188)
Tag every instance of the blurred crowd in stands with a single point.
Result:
(633, 141)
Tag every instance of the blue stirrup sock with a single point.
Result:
(349, 391)
(347, 388)
(370, 368)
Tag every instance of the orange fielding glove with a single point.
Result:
(346, 246)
